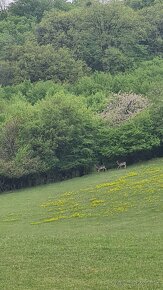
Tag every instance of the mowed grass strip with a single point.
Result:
(101, 231)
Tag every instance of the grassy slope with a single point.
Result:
(101, 231)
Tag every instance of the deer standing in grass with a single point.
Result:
(100, 168)
(121, 164)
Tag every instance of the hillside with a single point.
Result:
(81, 86)
(100, 231)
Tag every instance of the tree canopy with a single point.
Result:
(80, 84)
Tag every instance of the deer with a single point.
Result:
(121, 164)
(100, 168)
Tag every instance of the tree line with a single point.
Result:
(62, 41)
(81, 84)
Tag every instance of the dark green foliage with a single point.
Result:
(61, 66)
(107, 37)
(33, 62)
(14, 31)
(115, 60)
(139, 4)
(7, 73)
(157, 116)
(153, 17)
(30, 8)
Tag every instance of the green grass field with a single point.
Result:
(101, 231)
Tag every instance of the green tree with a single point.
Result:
(153, 17)
(30, 8)
(131, 139)
(106, 37)
(33, 62)
(66, 140)
(15, 156)
(157, 117)
(139, 4)
(115, 60)
(14, 30)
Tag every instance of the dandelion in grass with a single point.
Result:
(96, 202)
(53, 203)
(114, 189)
(120, 209)
(76, 215)
(69, 193)
(53, 219)
(131, 174)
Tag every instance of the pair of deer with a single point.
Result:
(103, 168)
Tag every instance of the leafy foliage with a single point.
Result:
(57, 134)
(128, 140)
(106, 37)
(33, 62)
(37, 8)
(63, 68)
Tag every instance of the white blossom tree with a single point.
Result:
(4, 4)
(123, 107)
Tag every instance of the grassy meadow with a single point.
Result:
(101, 231)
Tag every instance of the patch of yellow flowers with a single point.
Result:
(126, 193)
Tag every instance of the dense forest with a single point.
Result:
(81, 83)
